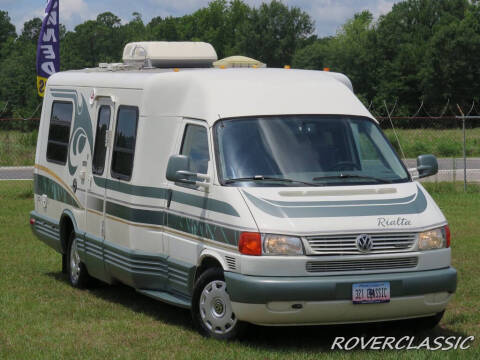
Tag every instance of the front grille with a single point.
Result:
(345, 244)
(361, 265)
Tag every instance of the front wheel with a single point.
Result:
(211, 307)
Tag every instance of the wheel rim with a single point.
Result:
(74, 262)
(215, 308)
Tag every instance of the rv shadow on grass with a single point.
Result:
(318, 338)
(127, 296)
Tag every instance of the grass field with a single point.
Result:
(42, 317)
(441, 143)
(18, 148)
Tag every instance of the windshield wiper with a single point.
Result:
(352, 176)
(267, 178)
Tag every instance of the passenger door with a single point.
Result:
(187, 207)
(96, 191)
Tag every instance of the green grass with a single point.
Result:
(42, 317)
(441, 143)
(17, 148)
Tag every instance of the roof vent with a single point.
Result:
(238, 61)
(165, 54)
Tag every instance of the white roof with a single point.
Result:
(211, 94)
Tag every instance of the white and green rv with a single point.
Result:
(265, 196)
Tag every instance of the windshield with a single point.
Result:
(305, 150)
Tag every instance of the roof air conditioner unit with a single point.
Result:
(165, 54)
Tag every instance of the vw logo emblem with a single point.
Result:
(364, 242)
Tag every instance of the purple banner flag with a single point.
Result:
(48, 50)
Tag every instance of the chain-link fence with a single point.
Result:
(449, 136)
(453, 137)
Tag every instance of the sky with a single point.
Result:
(328, 15)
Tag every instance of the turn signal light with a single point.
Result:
(250, 243)
(447, 235)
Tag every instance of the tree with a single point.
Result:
(18, 72)
(403, 39)
(7, 29)
(273, 32)
(135, 29)
(313, 56)
(31, 30)
(163, 29)
(452, 61)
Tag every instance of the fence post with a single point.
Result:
(462, 116)
(464, 156)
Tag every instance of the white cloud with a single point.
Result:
(70, 9)
(328, 15)
(383, 7)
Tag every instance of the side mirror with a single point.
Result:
(178, 170)
(427, 165)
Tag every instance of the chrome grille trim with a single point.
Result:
(361, 265)
(345, 244)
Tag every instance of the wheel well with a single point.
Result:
(207, 263)
(66, 228)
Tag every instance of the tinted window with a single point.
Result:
(59, 133)
(103, 123)
(195, 146)
(319, 150)
(124, 145)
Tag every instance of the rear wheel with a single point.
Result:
(77, 272)
(211, 307)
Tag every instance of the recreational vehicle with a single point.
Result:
(247, 195)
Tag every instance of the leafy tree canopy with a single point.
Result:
(421, 50)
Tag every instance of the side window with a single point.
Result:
(195, 146)
(124, 144)
(100, 150)
(59, 132)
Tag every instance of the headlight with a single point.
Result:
(282, 245)
(433, 239)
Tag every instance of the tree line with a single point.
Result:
(421, 50)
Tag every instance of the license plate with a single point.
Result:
(371, 293)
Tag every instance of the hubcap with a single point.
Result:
(215, 308)
(74, 262)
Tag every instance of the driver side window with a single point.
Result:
(195, 146)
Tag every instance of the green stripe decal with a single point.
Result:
(196, 227)
(189, 225)
(204, 203)
(135, 215)
(203, 229)
(145, 191)
(197, 201)
(345, 203)
(414, 204)
(46, 186)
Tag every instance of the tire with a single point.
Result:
(77, 272)
(211, 309)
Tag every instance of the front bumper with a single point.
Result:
(327, 300)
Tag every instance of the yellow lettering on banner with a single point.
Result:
(41, 84)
